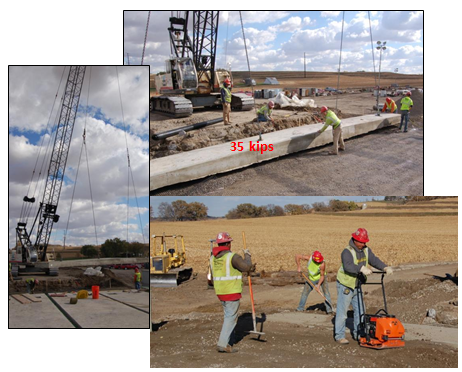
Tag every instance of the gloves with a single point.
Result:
(365, 270)
(246, 251)
(388, 270)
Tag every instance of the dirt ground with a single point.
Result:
(187, 321)
(386, 161)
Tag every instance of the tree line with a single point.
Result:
(179, 210)
(116, 248)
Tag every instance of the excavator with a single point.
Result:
(30, 253)
(190, 79)
(167, 260)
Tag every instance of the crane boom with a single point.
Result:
(46, 215)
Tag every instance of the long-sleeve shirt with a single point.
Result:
(348, 263)
(331, 119)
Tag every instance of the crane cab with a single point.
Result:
(180, 77)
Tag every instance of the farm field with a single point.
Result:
(413, 237)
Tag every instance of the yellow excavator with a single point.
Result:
(168, 260)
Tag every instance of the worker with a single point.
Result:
(226, 100)
(317, 274)
(332, 119)
(355, 259)
(406, 105)
(389, 105)
(137, 279)
(265, 112)
(227, 269)
(31, 283)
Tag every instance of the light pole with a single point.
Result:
(380, 47)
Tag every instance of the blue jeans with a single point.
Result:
(262, 118)
(307, 290)
(405, 117)
(230, 309)
(137, 285)
(344, 300)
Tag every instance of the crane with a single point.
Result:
(31, 250)
(191, 79)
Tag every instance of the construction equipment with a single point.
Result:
(316, 289)
(254, 319)
(33, 256)
(190, 78)
(381, 330)
(166, 263)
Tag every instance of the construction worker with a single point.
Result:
(227, 269)
(226, 100)
(406, 105)
(137, 279)
(317, 274)
(389, 105)
(355, 259)
(265, 112)
(332, 119)
(31, 283)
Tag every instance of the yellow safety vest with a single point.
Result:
(226, 279)
(406, 102)
(227, 94)
(314, 270)
(347, 279)
(138, 277)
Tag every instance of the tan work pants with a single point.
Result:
(226, 111)
(338, 139)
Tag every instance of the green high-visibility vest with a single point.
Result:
(226, 279)
(227, 94)
(345, 278)
(406, 102)
(265, 110)
(331, 119)
(138, 277)
(314, 270)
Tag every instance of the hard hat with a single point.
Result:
(388, 99)
(317, 257)
(323, 109)
(360, 235)
(408, 94)
(227, 81)
(36, 281)
(136, 269)
(270, 104)
(223, 237)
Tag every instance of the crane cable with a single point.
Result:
(339, 62)
(84, 145)
(145, 38)
(372, 46)
(129, 167)
(248, 63)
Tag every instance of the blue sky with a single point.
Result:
(32, 92)
(220, 205)
(277, 40)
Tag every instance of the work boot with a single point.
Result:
(227, 349)
(343, 341)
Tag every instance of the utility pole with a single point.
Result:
(379, 47)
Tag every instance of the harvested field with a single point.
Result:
(274, 241)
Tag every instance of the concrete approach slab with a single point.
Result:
(36, 315)
(113, 309)
(208, 161)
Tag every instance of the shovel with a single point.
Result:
(317, 290)
(254, 319)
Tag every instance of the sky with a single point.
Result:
(110, 129)
(218, 206)
(277, 40)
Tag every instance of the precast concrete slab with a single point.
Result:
(208, 161)
(140, 300)
(36, 315)
(107, 313)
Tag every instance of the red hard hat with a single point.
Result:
(136, 269)
(324, 109)
(408, 94)
(388, 99)
(227, 81)
(223, 237)
(317, 257)
(270, 104)
(360, 235)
